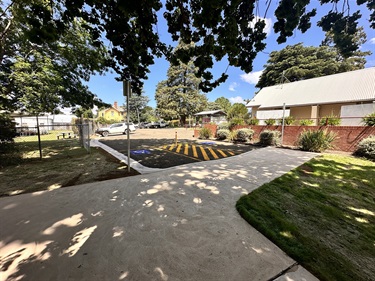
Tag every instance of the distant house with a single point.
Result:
(114, 113)
(26, 122)
(213, 116)
(349, 95)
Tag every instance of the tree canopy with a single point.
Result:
(297, 62)
(220, 103)
(219, 29)
(179, 95)
(136, 105)
(237, 110)
(40, 77)
(224, 104)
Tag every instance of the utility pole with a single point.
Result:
(127, 93)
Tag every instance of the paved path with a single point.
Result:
(175, 224)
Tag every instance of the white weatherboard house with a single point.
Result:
(213, 116)
(46, 121)
(349, 95)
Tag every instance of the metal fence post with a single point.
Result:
(39, 141)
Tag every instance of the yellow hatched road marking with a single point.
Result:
(179, 148)
(186, 151)
(213, 153)
(216, 154)
(195, 154)
(205, 156)
(222, 153)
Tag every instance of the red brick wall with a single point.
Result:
(347, 136)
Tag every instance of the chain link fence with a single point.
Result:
(46, 140)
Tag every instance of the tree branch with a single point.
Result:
(7, 8)
(2, 35)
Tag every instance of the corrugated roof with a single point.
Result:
(210, 112)
(353, 86)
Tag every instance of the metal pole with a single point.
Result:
(88, 138)
(39, 142)
(283, 123)
(127, 89)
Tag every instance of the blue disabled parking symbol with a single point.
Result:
(208, 143)
(142, 151)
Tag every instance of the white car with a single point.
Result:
(116, 128)
(160, 124)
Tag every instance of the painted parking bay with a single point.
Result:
(165, 153)
(172, 154)
(203, 152)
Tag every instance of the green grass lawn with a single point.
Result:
(322, 214)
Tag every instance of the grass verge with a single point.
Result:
(322, 214)
(64, 163)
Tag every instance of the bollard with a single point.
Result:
(175, 139)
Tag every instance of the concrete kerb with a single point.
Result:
(123, 158)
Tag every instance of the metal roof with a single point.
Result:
(210, 112)
(353, 86)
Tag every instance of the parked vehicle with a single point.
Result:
(116, 128)
(144, 125)
(160, 124)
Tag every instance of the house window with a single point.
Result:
(112, 113)
(102, 114)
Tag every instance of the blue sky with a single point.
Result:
(239, 85)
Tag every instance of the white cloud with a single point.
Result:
(237, 99)
(233, 86)
(252, 77)
(268, 21)
(372, 41)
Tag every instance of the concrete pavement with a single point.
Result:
(176, 224)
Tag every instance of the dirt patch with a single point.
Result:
(53, 173)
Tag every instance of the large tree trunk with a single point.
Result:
(182, 120)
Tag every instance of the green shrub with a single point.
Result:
(289, 120)
(270, 121)
(9, 153)
(223, 126)
(369, 120)
(366, 148)
(253, 121)
(316, 141)
(244, 135)
(269, 137)
(232, 135)
(205, 133)
(236, 121)
(222, 134)
(306, 122)
(331, 120)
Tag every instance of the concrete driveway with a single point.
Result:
(176, 224)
